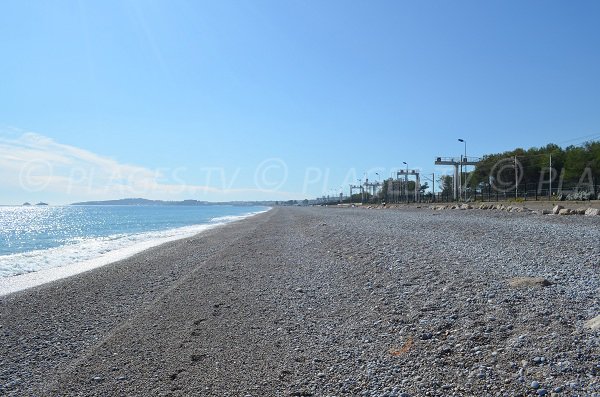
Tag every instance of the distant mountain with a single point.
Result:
(42, 204)
(26, 204)
(141, 201)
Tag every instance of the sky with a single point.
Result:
(255, 100)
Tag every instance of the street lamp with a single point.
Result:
(465, 169)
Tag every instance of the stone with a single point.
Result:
(520, 282)
(535, 384)
(565, 211)
(593, 324)
(592, 212)
(557, 209)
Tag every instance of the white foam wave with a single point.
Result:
(25, 270)
(233, 218)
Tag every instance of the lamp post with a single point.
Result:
(461, 166)
(375, 187)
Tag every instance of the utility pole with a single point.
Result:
(461, 166)
(550, 192)
(433, 184)
(460, 188)
(516, 181)
(406, 181)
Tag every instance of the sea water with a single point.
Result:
(42, 243)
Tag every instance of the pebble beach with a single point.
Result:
(315, 301)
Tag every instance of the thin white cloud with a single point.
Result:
(35, 163)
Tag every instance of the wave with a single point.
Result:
(233, 218)
(24, 270)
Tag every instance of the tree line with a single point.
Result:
(570, 166)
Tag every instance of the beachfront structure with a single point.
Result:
(463, 161)
(414, 173)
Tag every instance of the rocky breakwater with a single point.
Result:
(556, 210)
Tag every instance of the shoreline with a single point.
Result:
(317, 301)
(19, 282)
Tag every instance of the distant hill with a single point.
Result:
(141, 201)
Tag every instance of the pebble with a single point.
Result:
(436, 319)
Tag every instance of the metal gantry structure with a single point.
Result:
(456, 162)
(366, 188)
(361, 190)
(406, 173)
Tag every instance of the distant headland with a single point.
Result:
(147, 202)
(142, 201)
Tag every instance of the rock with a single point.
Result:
(565, 211)
(593, 324)
(542, 392)
(592, 212)
(546, 212)
(535, 384)
(557, 209)
(299, 290)
(520, 282)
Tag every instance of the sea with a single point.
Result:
(39, 244)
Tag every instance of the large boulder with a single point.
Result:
(557, 209)
(592, 212)
(593, 324)
(565, 211)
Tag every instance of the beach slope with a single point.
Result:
(320, 301)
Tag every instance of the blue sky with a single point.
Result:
(229, 100)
